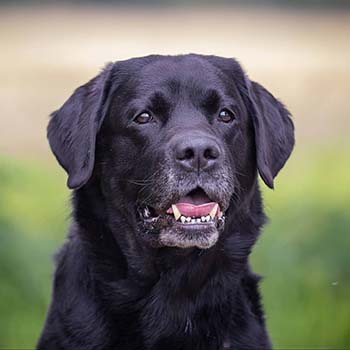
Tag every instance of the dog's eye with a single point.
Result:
(143, 118)
(226, 116)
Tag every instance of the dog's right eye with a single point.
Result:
(226, 116)
(143, 118)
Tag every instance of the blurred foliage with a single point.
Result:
(303, 253)
(32, 225)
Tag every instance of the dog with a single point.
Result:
(163, 155)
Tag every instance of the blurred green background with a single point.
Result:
(301, 54)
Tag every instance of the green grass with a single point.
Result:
(32, 225)
(303, 252)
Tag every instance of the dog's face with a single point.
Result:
(173, 142)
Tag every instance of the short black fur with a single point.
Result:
(117, 284)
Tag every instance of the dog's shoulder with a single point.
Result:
(75, 312)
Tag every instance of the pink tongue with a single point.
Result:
(188, 209)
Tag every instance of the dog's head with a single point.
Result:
(173, 143)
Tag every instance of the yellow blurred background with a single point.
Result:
(301, 54)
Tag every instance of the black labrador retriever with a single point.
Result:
(163, 153)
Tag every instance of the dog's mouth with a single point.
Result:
(195, 208)
(194, 220)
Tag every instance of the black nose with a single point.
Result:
(197, 153)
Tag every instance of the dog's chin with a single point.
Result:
(164, 231)
(202, 236)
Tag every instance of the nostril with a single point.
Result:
(189, 153)
(185, 154)
(211, 153)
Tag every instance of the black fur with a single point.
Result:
(116, 286)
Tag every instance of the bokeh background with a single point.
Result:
(299, 50)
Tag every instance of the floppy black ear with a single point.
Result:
(72, 129)
(274, 132)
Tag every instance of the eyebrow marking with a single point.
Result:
(159, 104)
(211, 101)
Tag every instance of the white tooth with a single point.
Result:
(207, 218)
(188, 219)
(146, 212)
(193, 221)
(213, 211)
(198, 220)
(203, 218)
(176, 212)
(183, 219)
(221, 215)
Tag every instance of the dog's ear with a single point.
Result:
(73, 128)
(274, 132)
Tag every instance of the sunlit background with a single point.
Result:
(299, 50)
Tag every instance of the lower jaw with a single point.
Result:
(202, 235)
(195, 237)
(165, 231)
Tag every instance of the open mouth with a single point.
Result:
(194, 219)
(195, 208)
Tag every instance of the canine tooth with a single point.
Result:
(213, 211)
(183, 219)
(203, 218)
(146, 212)
(188, 219)
(176, 212)
(207, 218)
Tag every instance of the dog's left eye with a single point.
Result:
(143, 118)
(226, 116)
